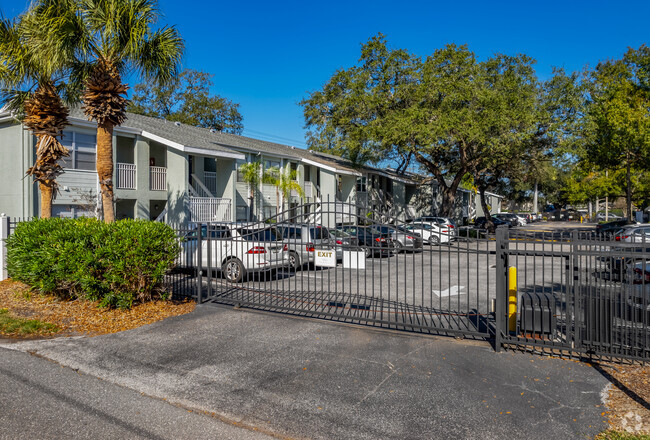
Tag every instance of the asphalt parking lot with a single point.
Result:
(460, 276)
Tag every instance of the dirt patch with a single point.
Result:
(80, 317)
(628, 398)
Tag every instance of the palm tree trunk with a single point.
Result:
(47, 194)
(105, 168)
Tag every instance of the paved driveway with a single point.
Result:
(303, 378)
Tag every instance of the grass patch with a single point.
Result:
(21, 327)
(621, 435)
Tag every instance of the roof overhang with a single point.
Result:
(330, 168)
(190, 149)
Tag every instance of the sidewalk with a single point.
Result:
(305, 378)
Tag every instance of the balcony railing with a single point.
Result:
(210, 180)
(125, 176)
(309, 189)
(158, 178)
(209, 209)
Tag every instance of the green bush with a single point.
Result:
(117, 264)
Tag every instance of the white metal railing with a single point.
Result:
(158, 178)
(309, 189)
(200, 188)
(209, 209)
(210, 178)
(125, 176)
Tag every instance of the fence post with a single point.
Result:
(501, 285)
(199, 263)
(4, 233)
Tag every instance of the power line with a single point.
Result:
(273, 136)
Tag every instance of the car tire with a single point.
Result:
(434, 241)
(367, 252)
(294, 261)
(399, 247)
(233, 270)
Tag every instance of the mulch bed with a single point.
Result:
(628, 400)
(81, 317)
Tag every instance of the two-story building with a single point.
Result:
(180, 173)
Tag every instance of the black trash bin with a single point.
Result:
(537, 315)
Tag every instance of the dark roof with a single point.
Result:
(204, 138)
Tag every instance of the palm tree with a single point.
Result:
(251, 173)
(28, 89)
(285, 181)
(110, 38)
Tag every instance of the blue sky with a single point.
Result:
(267, 56)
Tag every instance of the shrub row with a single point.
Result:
(117, 264)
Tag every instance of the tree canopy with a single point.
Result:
(186, 98)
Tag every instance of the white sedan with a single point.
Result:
(431, 233)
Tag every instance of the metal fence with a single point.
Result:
(574, 292)
(569, 293)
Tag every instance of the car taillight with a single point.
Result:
(409, 237)
(339, 242)
(257, 250)
(285, 247)
(621, 237)
(379, 239)
(444, 230)
(310, 247)
(450, 226)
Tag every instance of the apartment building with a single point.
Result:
(179, 173)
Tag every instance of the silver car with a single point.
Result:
(403, 238)
(303, 240)
(639, 233)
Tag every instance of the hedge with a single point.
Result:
(117, 264)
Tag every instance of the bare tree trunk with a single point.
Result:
(105, 169)
(535, 202)
(47, 194)
(486, 210)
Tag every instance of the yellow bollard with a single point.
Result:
(512, 298)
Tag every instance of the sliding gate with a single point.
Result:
(350, 264)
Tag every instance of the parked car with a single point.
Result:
(343, 241)
(481, 223)
(611, 227)
(373, 242)
(303, 241)
(431, 232)
(602, 217)
(637, 233)
(235, 249)
(444, 222)
(404, 239)
(514, 219)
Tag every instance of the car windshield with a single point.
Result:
(267, 234)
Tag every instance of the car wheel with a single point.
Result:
(398, 247)
(233, 270)
(294, 261)
(367, 252)
(434, 240)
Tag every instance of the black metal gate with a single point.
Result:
(574, 293)
(348, 263)
(565, 293)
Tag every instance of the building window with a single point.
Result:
(271, 164)
(240, 175)
(362, 184)
(83, 150)
(293, 169)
